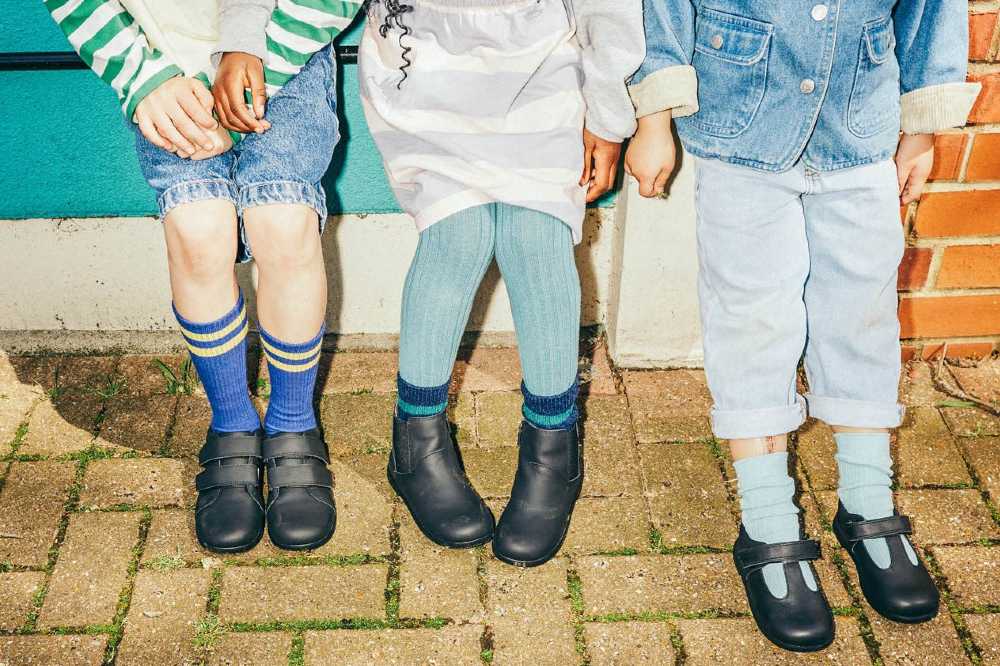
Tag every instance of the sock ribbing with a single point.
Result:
(554, 412)
(419, 401)
(292, 369)
(219, 353)
(769, 513)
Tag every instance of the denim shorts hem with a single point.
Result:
(749, 423)
(283, 192)
(855, 413)
(195, 190)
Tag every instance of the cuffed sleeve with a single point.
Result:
(613, 43)
(931, 47)
(937, 108)
(674, 88)
(242, 25)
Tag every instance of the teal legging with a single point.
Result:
(535, 253)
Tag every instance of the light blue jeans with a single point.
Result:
(793, 263)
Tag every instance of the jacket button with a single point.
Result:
(807, 86)
(820, 12)
(717, 42)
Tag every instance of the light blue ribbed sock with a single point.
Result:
(769, 514)
(866, 485)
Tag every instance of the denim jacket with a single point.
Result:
(765, 83)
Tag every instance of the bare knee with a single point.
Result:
(283, 237)
(201, 240)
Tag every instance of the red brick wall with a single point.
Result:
(950, 279)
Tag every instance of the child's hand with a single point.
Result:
(600, 165)
(176, 115)
(914, 161)
(222, 142)
(237, 72)
(651, 155)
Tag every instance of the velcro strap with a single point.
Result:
(874, 529)
(235, 445)
(295, 446)
(757, 556)
(228, 476)
(301, 476)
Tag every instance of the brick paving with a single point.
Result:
(99, 564)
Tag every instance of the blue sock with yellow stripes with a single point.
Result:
(552, 412)
(292, 369)
(219, 352)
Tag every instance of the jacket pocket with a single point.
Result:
(731, 58)
(874, 103)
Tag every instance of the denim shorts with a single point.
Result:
(284, 165)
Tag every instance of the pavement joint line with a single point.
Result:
(969, 646)
(486, 645)
(977, 483)
(125, 596)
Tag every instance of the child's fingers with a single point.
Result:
(192, 106)
(167, 130)
(238, 106)
(204, 97)
(258, 93)
(228, 116)
(660, 186)
(149, 131)
(903, 170)
(588, 163)
(191, 131)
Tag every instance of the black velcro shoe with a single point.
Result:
(801, 621)
(301, 514)
(904, 592)
(547, 484)
(426, 472)
(229, 515)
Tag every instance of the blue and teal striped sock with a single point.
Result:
(292, 369)
(420, 400)
(552, 412)
(219, 352)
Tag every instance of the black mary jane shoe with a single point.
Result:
(301, 514)
(801, 621)
(904, 592)
(547, 484)
(426, 472)
(229, 515)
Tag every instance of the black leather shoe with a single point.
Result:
(426, 472)
(548, 481)
(903, 592)
(802, 620)
(300, 511)
(229, 516)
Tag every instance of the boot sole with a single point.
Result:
(458, 545)
(527, 564)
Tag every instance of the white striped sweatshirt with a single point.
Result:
(136, 45)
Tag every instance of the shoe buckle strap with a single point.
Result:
(228, 476)
(295, 447)
(878, 528)
(229, 446)
(757, 556)
(299, 476)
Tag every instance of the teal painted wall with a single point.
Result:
(69, 153)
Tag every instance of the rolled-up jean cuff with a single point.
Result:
(855, 413)
(195, 190)
(749, 423)
(284, 192)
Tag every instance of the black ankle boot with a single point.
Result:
(546, 487)
(801, 621)
(301, 514)
(229, 517)
(426, 472)
(904, 592)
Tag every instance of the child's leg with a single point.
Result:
(291, 308)
(452, 257)
(201, 252)
(535, 254)
(853, 357)
(754, 262)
